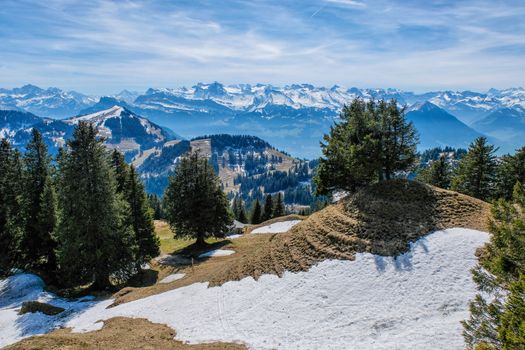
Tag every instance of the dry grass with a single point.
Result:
(118, 333)
(382, 219)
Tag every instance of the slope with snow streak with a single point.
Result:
(413, 301)
(277, 227)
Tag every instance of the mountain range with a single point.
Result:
(293, 117)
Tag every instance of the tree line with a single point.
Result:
(83, 218)
(273, 207)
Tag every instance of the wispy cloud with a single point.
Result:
(103, 46)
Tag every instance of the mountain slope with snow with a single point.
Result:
(412, 301)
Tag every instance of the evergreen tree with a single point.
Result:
(256, 212)
(196, 206)
(242, 212)
(38, 244)
(510, 170)
(156, 204)
(437, 174)
(121, 171)
(278, 210)
(268, 208)
(372, 142)
(498, 311)
(11, 223)
(141, 220)
(95, 240)
(475, 174)
(398, 139)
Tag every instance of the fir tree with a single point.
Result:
(38, 244)
(510, 170)
(476, 171)
(372, 143)
(242, 213)
(498, 311)
(268, 208)
(121, 171)
(278, 210)
(141, 219)
(256, 213)
(11, 221)
(196, 206)
(95, 240)
(437, 174)
(156, 204)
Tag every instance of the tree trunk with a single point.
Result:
(101, 282)
(200, 240)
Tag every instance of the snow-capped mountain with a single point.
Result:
(52, 102)
(292, 117)
(120, 128)
(124, 129)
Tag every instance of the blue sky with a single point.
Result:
(102, 47)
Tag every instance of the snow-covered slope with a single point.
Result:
(414, 301)
(51, 102)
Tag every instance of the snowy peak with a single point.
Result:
(124, 129)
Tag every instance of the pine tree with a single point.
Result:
(156, 204)
(141, 220)
(242, 212)
(510, 170)
(372, 142)
(95, 240)
(268, 208)
(38, 243)
(398, 139)
(256, 213)
(11, 220)
(437, 174)
(278, 210)
(121, 171)
(475, 174)
(196, 206)
(498, 311)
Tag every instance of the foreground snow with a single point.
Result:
(414, 301)
(277, 227)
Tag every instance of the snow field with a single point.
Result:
(277, 227)
(413, 301)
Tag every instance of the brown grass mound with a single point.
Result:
(118, 333)
(382, 219)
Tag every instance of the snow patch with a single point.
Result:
(278, 227)
(217, 252)
(173, 277)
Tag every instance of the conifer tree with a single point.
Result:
(437, 174)
(121, 171)
(475, 175)
(242, 212)
(141, 219)
(278, 210)
(156, 204)
(38, 244)
(11, 221)
(510, 170)
(95, 240)
(372, 142)
(498, 311)
(256, 212)
(196, 206)
(268, 208)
